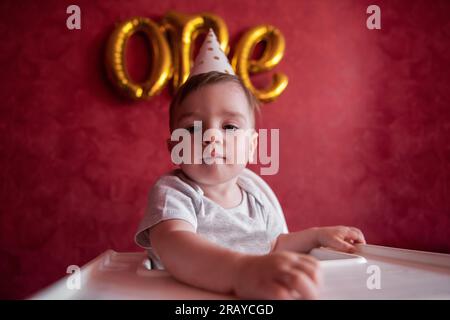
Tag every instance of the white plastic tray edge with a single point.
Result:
(59, 291)
(422, 257)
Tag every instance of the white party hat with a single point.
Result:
(211, 57)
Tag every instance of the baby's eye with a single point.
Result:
(192, 128)
(230, 127)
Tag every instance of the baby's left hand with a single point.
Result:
(340, 238)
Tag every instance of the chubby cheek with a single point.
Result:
(196, 153)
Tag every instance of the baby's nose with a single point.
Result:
(214, 137)
(213, 141)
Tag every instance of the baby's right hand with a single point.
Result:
(278, 275)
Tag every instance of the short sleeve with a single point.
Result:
(276, 225)
(170, 198)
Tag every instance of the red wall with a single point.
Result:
(364, 127)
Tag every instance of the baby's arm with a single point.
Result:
(300, 241)
(194, 260)
(191, 259)
(340, 238)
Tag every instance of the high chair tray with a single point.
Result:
(329, 257)
(373, 272)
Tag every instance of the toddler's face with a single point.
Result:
(228, 122)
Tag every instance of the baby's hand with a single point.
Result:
(278, 275)
(340, 238)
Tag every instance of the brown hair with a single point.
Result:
(200, 80)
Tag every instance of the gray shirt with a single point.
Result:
(249, 228)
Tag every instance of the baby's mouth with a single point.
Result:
(215, 156)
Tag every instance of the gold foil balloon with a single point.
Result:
(271, 56)
(182, 31)
(116, 62)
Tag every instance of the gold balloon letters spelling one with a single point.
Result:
(172, 43)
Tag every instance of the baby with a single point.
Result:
(217, 225)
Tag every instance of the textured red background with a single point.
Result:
(364, 127)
